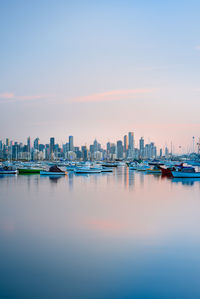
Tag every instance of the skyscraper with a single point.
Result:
(130, 141)
(36, 143)
(119, 149)
(71, 143)
(29, 144)
(141, 147)
(52, 145)
(125, 143)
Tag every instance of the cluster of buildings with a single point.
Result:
(121, 150)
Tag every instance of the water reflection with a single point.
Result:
(131, 235)
(54, 178)
(186, 181)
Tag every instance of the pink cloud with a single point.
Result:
(113, 95)
(7, 95)
(11, 97)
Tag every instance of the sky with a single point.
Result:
(99, 69)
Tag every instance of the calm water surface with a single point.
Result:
(114, 235)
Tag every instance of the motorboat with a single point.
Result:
(7, 170)
(88, 168)
(110, 164)
(181, 174)
(29, 170)
(133, 166)
(167, 171)
(53, 170)
(142, 167)
(185, 172)
(154, 170)
(106, 169)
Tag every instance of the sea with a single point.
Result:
(120, 235)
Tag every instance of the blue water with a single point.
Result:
(112, 235)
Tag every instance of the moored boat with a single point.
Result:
(154, 170)
(7, 170)
(85, 169)
(182, 174)
(29, 170)
(54, 170)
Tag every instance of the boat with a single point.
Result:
(185, 172)
(29, 170)
(132, 166)
(154, 170)
(7, 170)
(168, 171)
(142, 167)
(110, 164)
(106, 169)
(87, 168)
(181, 174)
(53, 170)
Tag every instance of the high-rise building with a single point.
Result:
(141, 144)
(130, 140)
(119, 149)
(95, 146)
(125, 143)
(108, 147)
(29, 144)
(141, 147)
(71, 143)
(52, 145)
(7, 142)
(36, 143)
(84, 153)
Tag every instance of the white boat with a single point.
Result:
(3, 171)
(182, 174)
(86, 169)
(142, 167)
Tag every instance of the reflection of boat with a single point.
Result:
(54, 170)
(186, 181)
(54, 178)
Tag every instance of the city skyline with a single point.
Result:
(192, 146)
(125, 148)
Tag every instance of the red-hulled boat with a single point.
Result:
(168, 171)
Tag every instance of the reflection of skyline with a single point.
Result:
(128, 178)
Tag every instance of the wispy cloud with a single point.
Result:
(7, 95)
(113, 95)
(11, 97)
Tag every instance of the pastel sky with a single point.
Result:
(98, 69)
